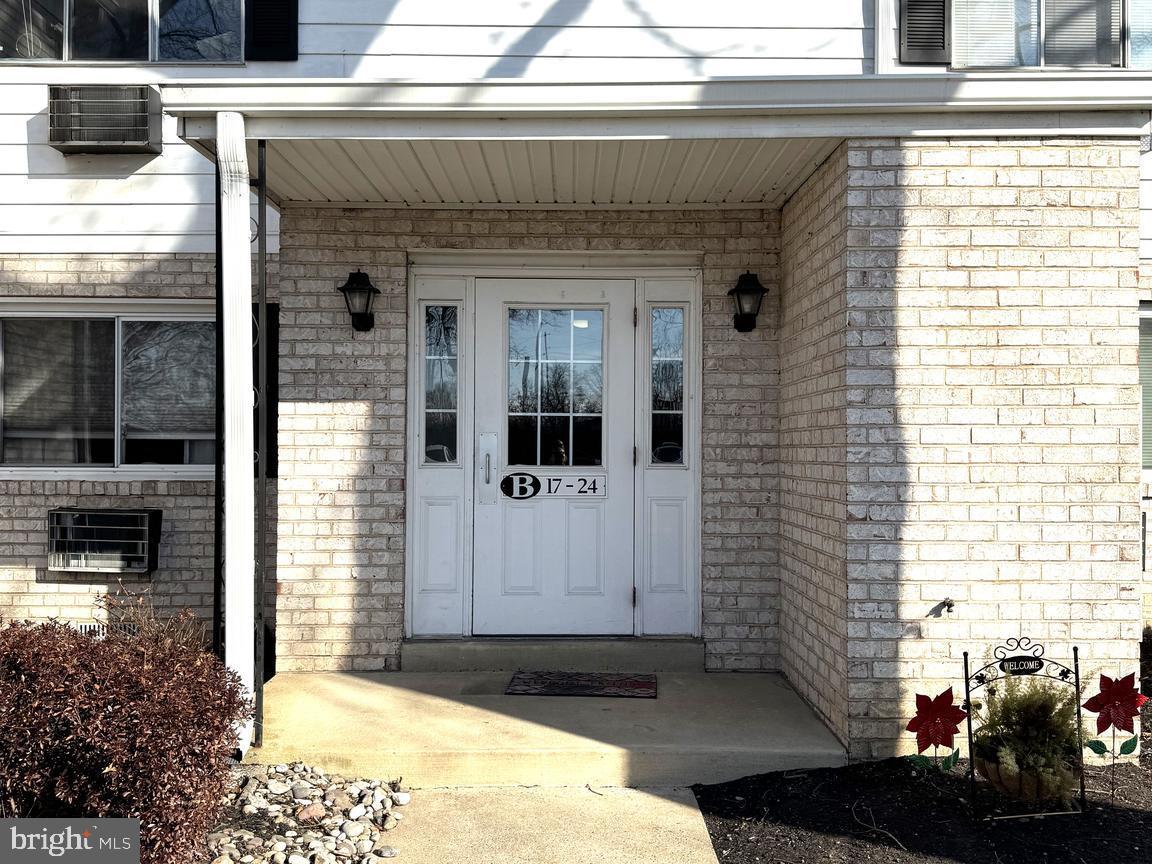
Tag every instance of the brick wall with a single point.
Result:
(813, 443)
(342, 432)
(992, 411)
(27, 589)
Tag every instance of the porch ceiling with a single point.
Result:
(525, 173)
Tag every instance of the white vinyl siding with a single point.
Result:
(100, 204)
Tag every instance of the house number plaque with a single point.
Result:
(522, 485)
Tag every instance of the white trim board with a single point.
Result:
(450, 277)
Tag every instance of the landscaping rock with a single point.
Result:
(311, 812)
(337, 821)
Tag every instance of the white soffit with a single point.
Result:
(606, 173)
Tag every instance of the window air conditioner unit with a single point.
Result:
(103, 541)
(97, 119)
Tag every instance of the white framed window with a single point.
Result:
(160, 31)
(95, 390)
(1051, 34)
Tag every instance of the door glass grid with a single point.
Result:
(667, 385)
(555, 386)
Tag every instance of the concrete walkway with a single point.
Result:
(459, 729)
(517, 825)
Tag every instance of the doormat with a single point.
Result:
(619, 684)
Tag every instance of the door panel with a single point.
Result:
(555, 382)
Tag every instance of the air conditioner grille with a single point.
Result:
(101, 119)
(103, 541)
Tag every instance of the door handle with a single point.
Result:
(487, 467)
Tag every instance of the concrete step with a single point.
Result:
(558, 655)
(459, 729)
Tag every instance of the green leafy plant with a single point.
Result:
(1027, 743)
(135, 725)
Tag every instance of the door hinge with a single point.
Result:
(635, 316)
(633, 596)
(635, 456)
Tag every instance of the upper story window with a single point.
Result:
(1051, 33)
(1027, 34)
(164, 31)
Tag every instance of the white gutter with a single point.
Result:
(832, 95)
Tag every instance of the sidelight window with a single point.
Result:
(667, 403)
(441, 383)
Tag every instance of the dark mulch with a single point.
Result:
(893, 813)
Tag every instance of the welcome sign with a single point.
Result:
(70, 841)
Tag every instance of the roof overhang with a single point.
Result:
(523, 143)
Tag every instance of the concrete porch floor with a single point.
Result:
(459, 729)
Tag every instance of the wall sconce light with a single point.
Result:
(359, 293)
(747, 297)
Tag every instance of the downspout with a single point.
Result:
(261, 434)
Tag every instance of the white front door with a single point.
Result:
(554, 477)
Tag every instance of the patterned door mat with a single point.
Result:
(620, 684)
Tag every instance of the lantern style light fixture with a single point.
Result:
(747, 297)
(359, 293)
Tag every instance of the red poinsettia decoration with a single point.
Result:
(937, 721)
(1117, 703)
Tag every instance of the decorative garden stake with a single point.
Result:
(936, 724)
(1014, 759)
(1115, 706)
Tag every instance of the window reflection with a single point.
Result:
(441, 383)
(555, 386)
(32, 31)
(110, 29)
(199, 30)
(667, 402)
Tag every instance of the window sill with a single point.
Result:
(125, 474)
(145, 64)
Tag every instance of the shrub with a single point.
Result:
(1030, 728)
(135, 726)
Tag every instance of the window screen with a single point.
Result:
(57, 388)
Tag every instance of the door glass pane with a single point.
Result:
(555, 386)
(522, 441)
(441, 383)
(587, 439)
(667, 406)
(32, 30)
(555, 445)
(110, 29)
(199, 30)
(57, 391)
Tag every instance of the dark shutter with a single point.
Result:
(271, 30)
(925, 31)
